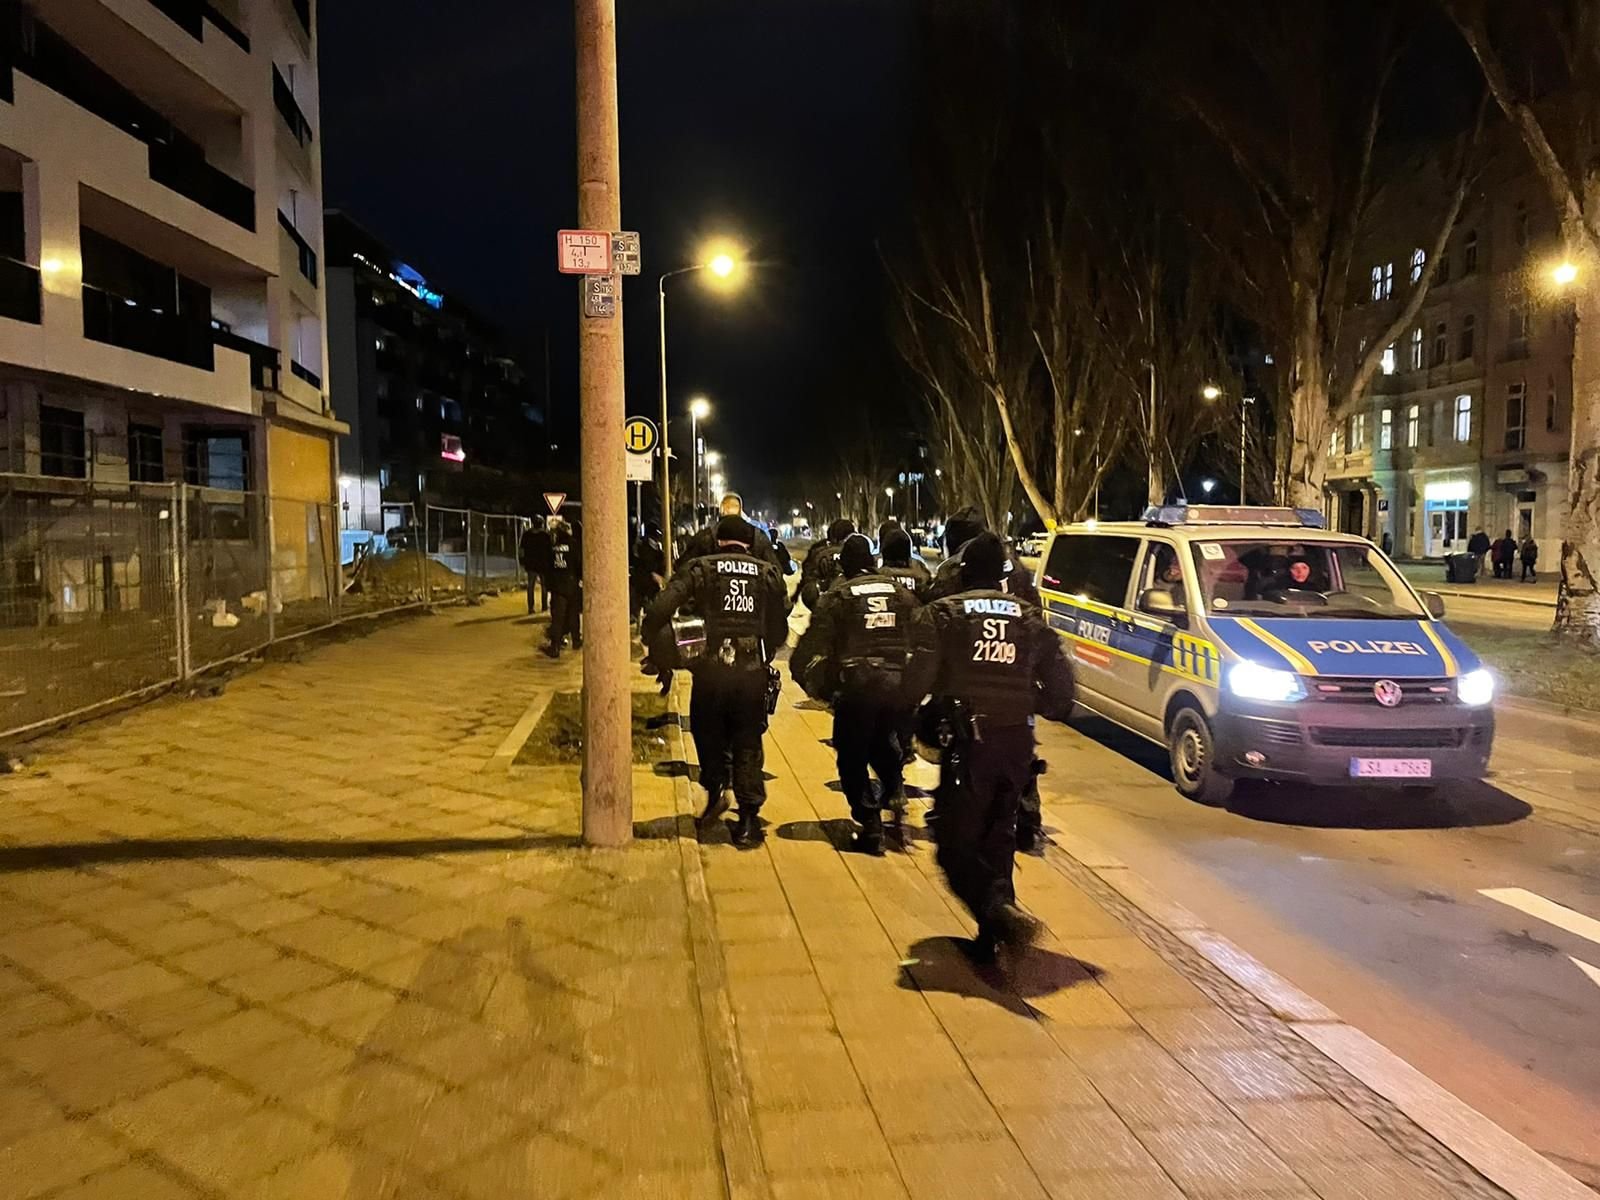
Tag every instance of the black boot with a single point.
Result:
(1015, 928)
(551, 650)
(869, 838)
(747, 830)
(717, 803)
(983, 950)
(1029, 835)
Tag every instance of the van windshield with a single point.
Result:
(1284, 578)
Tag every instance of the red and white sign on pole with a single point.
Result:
(583, 252)
(554, 500)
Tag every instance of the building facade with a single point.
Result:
(440, 410)
(1467, 425)
(161, 314)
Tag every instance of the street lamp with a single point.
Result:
(723, 263)
(1564, 273)
(699, 410)
(1212, 392)
(1207, 484)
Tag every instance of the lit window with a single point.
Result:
(1388, 359)
(377, 343)
(1419, 260)
(1416, 348)
(1388, 280)
(1413, 424)
(1267, 358)
(1463, 426)
(1358, 432)
(1386, 429)
(1516, 415)
(1464, 343)
(1377, 282)
(1333, 442)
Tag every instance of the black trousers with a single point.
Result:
(1528, 572)
(544, 590)
(867, 726)
(566, 610)
(979, 791)
(727, 716)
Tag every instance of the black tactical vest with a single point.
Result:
(987, 657)
(731, 596)
(875, 616)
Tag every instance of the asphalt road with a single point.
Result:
(1376, 906)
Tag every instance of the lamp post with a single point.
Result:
(1212, 392)
(699, 410)
(722, 265)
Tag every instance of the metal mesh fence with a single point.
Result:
(108, 589)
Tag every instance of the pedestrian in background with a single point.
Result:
(533, 552)
(1504, 554)
(565, 581)
(853, 656)
(647, 566)
(990, 662)
(1478, 547)
(745, 607)
(1530, 559)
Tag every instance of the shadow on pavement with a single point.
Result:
(839, 832)
(514, 618)
(1456, 805)
(664, 828)
(71, 855)
(677, 768)
(940, 964)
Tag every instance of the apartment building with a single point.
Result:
(161, 314)
(440, 408)
(1468, 423)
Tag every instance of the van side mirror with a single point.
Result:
(1434, 604)
(1158, 602)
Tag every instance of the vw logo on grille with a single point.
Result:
(1387, 693)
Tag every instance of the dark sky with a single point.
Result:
(449, 130)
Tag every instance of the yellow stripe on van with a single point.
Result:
(1451, 668)
(1298, 661)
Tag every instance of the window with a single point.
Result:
(1377, 282)
(1416, 348)
(1358, 432)
(1516, 415)
(1464, 342)
(1095, 566)
(1163, 572)
(1550, 403)
(63, 443)
(217, 458)
(1441, 273)
(1517, 330)
(1441, 344)
(1463, 422)
(377, 343)
(1386, 429)
(145, 463)
(1419, 260)
(1520, 224)
(1469, 253)
(1388, 280)
(1413, 422)
(1334, 440)
(1388, 359)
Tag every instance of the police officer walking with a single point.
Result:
(821, 567)
(745, 607)
(564, 579)
(990, 662)
(901, 565)
(853, 655)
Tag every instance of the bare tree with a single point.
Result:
(1542, 66)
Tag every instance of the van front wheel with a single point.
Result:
(1193, 755)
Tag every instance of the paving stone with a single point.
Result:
(193, 1102)
(26, 1109)
(1065, 1141)
(25, 1012)
(124, 985)
(165, 1013)
(1113, 1185)
(933, 1109)
(1367, 1179)
(234, 1036)
(1219, 1160)
(1022, 1084)
(60, 1154)
(278, 980)
(234, 1154)
(960, 1170)
(869, 1185)
(230, 956)
(807, 1142)
(132, 1182)
(1312, 1129)
(1188, 1029)
(1248, 1075)
(1153, 987)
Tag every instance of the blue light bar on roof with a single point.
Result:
(1232, 514)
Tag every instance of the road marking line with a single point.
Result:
(1548, 911)
(1592, 972)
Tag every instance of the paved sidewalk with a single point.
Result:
(317, 938)
(1430, 576)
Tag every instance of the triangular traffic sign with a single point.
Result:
(554, 500)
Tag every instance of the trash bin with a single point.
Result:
(1461, 568)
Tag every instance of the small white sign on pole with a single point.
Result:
(640, 467)
(583, 252)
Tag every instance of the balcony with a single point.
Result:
(175, 162)
(306, 257)
(302, 12)
(118, 321)
(289, 109)
(305, 374)
(19, 291)
(265, 362)
(191, 16)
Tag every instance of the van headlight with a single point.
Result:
(1475, 688)
(1252, 681)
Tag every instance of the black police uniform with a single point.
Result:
(533, 551)
(853, 655)
(818, 572)
(565, 581)
(991, 658)
(745, 608)
(913, 575)
(703, 544)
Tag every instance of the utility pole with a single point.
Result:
(607, 704)
(1157, 487)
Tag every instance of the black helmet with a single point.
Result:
(840, 529)
(938, 723)
(961, 527)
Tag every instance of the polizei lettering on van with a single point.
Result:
(1344, 647)
(993, 608)
(726, 566)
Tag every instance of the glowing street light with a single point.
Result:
(1211, 391)
(1207, 484)
(1564, 273)
(699, 408)
(722, 265)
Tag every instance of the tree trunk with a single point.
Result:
(1019, 459)
(1578, 599)
(1309, 418)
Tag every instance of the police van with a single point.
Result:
(1255, 644)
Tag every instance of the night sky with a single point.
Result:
(448, 130)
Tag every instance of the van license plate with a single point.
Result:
(1391, 768)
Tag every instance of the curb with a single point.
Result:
(1495, 597)
(1547, 708)
(1518, 1169)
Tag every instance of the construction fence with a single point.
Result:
(112, 590)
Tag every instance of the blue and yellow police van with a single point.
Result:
(1255, 644)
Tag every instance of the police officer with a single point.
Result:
(564, 578)
(821, 567)
(746, 612)
(959, 531)
(853, 655)
(904, 567)
(533, 552)
(990, 662)
(704, 543)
